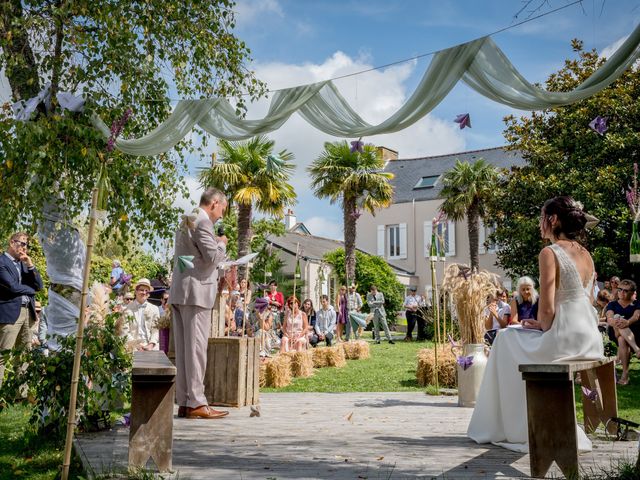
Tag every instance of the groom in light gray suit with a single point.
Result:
(193, 292)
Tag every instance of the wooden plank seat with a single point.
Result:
(152, 398)
(551, 410)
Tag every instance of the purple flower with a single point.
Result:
(599, 125)
(590, 394)
(464, 120)
(357, 146)
(116, 129)
(465, 362)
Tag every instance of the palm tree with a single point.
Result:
(466, 189)
(253, 178)
(353, 176)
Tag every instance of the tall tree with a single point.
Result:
(467, 188)
(254, 178)
(354, 177)
(565, 156)
(119, 54)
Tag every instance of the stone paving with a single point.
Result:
(337, 436)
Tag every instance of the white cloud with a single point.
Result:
(323, 227)
(611, 49)
(248, 11)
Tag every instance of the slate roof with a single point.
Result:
(409, 171)
(313, 247)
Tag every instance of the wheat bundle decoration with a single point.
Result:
(425, 373)
(469, 291)
(278, 372)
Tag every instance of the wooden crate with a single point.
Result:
(233, 372)
(217, 315)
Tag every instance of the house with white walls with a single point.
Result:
(401, 233)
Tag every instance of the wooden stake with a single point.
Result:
(71, 421)
(434, 303)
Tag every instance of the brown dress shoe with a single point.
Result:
(204, 411)
(182, 411)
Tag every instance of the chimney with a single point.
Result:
(289, 220)
(387, 154)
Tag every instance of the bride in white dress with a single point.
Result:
(566, 329)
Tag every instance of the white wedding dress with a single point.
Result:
(500, 414)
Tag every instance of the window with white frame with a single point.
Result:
(392, 241)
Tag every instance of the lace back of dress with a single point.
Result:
(570, 280)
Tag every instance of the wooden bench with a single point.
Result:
(152, 397)
(551, 410)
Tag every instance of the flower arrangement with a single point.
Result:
(469, 292)
(633, 197)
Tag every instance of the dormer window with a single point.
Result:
(427, 182)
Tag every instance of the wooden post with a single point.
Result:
(75, 374)
(434, 303)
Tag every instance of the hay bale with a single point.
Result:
(355, 350)
(301, 363)
(446, 367)
(335, 357)
(263, 372)
(278, 372)
(319, 357)
(362, 350)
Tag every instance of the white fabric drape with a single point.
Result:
(479, 63)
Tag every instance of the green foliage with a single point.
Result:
(105, 383)
(467, 188)
(357, 181)
(371, 270)
(140, 266)
(118, 55)
(565, 157)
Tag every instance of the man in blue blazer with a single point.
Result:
(19, 282)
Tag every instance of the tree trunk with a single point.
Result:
(23, 76)
(57, 53)
(350, 238)
(473, 226)
(244, 235)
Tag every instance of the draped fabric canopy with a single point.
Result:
(479, 63)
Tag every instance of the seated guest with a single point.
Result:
(262, 321)
(294, 327)
(325, 323)
(307, 308)
(622, 315)
(232, 317)
(142, 317)
(524, 303)
(602, 300)
(494, 318)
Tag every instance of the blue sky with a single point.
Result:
(301, 41)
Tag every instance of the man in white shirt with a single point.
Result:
(354, 305)
(141, 327)
(412, 304)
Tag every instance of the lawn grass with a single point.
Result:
(24, 455)
(391, 368)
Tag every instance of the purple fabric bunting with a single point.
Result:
(261, 304)
(599, 125)
(464, 120)
(357, 146)
(590, 394)
(465, 362)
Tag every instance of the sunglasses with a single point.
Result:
(22, 244)
(626, 290)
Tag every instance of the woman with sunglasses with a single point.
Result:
(294, 327)
(622, 317)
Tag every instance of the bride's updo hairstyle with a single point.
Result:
(571, 217)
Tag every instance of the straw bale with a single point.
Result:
(320, 357)
(335, 357)
(446, 367)
(263, 372)
(301, 363)
(354, 350)
(278, 372)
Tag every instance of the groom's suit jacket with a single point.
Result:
(12, 289)
(198, 285)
